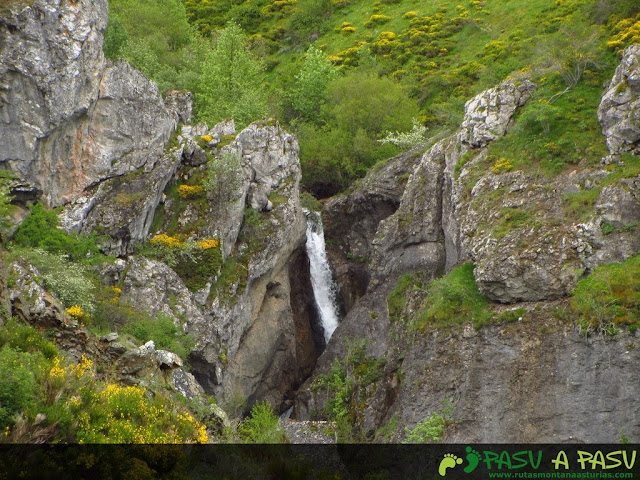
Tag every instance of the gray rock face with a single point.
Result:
(69, 119)
(152, 286)
(248, 343)
(516, 384)
(122, 208)
(487, 115)
(51, 64)
(32, 303)
(351, 222)
(611, 234)
(618, 111)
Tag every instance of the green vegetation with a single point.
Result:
(72, 282)
(40, 230)
(194, 262)
(430, 430)
(450, 300)
(163, 331)
(44, 398)
(261, 426)
(346, 388)
(343, 74)
(223, 177)
(232, 80)
(608, 297)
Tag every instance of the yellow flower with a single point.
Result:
(190, 191)
(206, 138)
(76, 312)
(208, 243)
(202, 436)
(116, 290)
(502, 165)
(166, 241)
(56, 371)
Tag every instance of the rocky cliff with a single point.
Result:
(450, 205)
(93, 136)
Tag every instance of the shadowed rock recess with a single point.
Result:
(205, 227)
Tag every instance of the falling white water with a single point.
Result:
(324, 289)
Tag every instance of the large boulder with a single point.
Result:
(618, 111)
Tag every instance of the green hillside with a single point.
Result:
(381, 64)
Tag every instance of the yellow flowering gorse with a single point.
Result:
(208, 243)
(76, 312)
(166, 241)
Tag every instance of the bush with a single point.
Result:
(262, 426)
(24, 338)
(224, 175)
(39, 230)
(407, 140)
(71, 282)
(430, 430)
(163, 331)
(345, 386)
(18, 383)
(608, 296)
(194, 262)
(448, 300)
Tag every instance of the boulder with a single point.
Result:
(155, 288)
(618, 111)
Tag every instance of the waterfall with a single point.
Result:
(324, 289)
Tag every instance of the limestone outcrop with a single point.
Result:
(618, 111)
(70, 119)
(249, 344)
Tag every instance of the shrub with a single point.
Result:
(115, 38)
(262, 426)
(345, 386)
(453, 299)
(310, 202)
(166, 241)
(224, 175)
(377, 20)
(71, 282)
(628, 33)
(163, 331)
(194, 262)
(190, 191)
(430, 429)
(39, 230)
(502, 165)
(76, 312)
(407, 140)
(18, 384)
(208, 243)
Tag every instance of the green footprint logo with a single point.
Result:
(449, 461)
(473, 457)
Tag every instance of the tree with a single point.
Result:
(307, 96)
(359, 108)
(232, 80)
